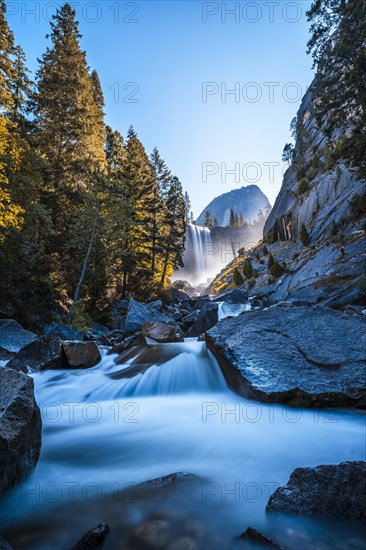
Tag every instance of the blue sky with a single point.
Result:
(167, 67)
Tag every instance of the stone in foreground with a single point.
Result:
(20, 428)
(45, 353)
(298, 356)
(256, 537)
(81, 355)
(334, 491)
(94, 539)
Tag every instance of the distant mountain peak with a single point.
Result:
(247, 201)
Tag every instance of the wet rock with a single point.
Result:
(13, 337)
(155, 305)
(300, 356)
(332, 491)
(159, 487)
(137, 339)
(4, 545)
(81, 355)
(207, 318)
(138, 314)
(45, 353)
(180, 296)
(235, 296)
(161, 332)
(201, 301)
(20, 428)
(94, 539)
(255, 536)
(63, 332)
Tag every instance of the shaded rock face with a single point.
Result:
(161, 332)
(329, 194)
(13, 336)
(299, 356)
(206, 319)
(45, 353)
(334, 491)
(63, 332)
(20, 428)
(94, 539)
(138, 314)
(81, 355)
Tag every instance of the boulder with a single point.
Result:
(137, 339)
(45, 353)
(256, 537)
(94, 539)
(159, 487)
(63, 332)
(156, 304)
(160, 332)
(327, 491)
(300, 356)
(81, 355)
(235, 296)
(138, 314)
(13, 337)
(206, 319)
(200, 301)
(20, 428)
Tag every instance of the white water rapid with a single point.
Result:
(103, 432)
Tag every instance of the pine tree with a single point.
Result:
(248, 269)
(338, 30)
(70, 134)
(271, 261)
(238, 279)
(304, 235)
(208, 219)
(216, 222)
(176, 209)
(68, 108)
(232, 218)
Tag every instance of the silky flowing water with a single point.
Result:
(103, 433)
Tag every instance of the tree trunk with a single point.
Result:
(85, 265)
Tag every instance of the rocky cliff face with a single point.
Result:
(315, 231)
(313, 192)
(248, 201)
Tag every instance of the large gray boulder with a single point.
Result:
(235, 296)
(20, 428)
(45, 353)
(333, 491)
(299, 356)
(13, 336)
(63, 331)
(138, 314)
(206, 319)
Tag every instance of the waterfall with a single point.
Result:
(198, 255)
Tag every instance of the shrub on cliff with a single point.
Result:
(248, 269)
(238, 279)
(304, 235)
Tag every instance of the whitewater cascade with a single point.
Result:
(201, 257)
(167, 408)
